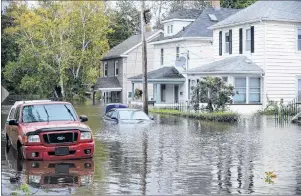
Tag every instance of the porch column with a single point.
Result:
(158, 94)
(133, 91)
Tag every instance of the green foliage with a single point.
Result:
(61, 44)
(23, 189)
(275, 107)
(238, 4)
(213, 91)
(124, 20)
(269, 177)
(212, 116)
(138, 93)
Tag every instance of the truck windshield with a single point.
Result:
(48, 112)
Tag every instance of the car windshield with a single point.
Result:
(132, 115)
(48, 112)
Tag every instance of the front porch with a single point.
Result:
(168, 85)
(110, 90)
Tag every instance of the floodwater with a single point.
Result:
(173, 156)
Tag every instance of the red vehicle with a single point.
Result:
(48, 130)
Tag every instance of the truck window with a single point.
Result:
(17, 114)
(11, 114)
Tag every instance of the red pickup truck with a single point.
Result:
(48, 130)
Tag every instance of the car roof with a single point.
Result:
(36, 102)
(125, 109)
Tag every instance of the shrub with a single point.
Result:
(212, 116)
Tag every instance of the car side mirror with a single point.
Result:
(83, 118)
(12, 122)
(151, 117)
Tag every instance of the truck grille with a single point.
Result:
(56, 138)
(61, 179)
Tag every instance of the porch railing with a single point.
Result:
(285, 113)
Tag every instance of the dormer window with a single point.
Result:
(227, 39)
(171, 28)
(299, 39)
(168, 29)
(213, 17)
(116, 68)
(248, 40)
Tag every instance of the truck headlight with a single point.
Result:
(85, 135)
(85, 180)
(33, 138)
(34, 179)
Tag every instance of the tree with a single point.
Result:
(213, 91)
(238, 4)
(124, 20)
(61, 47)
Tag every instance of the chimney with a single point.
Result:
(216, 4)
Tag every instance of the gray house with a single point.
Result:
(121, 62)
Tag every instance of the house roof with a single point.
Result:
(265, 10)
(199, 28)
(237, 64)
(127, 44)
(162, 73)
(184, 14)
(107, 83)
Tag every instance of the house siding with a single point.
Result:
(275, 52)
(133, 66)
(200, 52)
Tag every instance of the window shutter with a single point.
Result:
(230, 41)
(220, 43)
(252, 39)
(240, 41)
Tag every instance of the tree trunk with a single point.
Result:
(62, 85)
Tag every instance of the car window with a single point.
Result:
(48, 112)
(132, 115)
(109, 114)
(114, 114)
(12, 114)
(17, 114)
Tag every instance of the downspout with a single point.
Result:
(264, 100)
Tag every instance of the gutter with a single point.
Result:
(223, 72)
(172, 80)
(182, 39)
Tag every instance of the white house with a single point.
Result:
(186, 35)
(121, 62)
(258, 50)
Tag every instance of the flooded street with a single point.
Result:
(173, 156)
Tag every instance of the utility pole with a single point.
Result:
(144, 59)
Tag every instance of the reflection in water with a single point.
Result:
(173, 156)
(49, 175)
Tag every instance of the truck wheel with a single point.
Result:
(20, 151)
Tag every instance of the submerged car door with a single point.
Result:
(14, 128)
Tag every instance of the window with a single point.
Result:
(114, 115)
(132, 115)
(12, 114)
(299, 39)
(240, 88)
(177, 52)
(254, 90)
(129, 94)
(299, 90)
(168, 29)
(162, 56)
(105, 71)
(171, 28)
(227, 39)
(225, 79)
(48, 112)
(248, 40)
(17, 114)
(116, 68)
